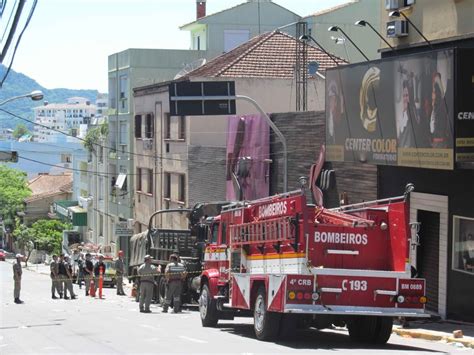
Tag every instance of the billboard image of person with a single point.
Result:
(439, 124)
(397, 111)
(335, 127)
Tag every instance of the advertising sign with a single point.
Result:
(395, 111)
(122, 230)
(464, 115)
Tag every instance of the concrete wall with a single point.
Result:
(305, 133)
(345, 17)
(207, 174)
(436, 19)
(142, 67)
(273, 95)
(245, 17)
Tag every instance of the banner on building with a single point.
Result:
(395, 111)
(465, 105)
(248, 153)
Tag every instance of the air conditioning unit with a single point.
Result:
(397, 28)
(130, 223)
(394, 4)
(397, 4)
(147, 144)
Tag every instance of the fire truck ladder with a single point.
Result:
(267, 231)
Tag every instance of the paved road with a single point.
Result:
(114, 325)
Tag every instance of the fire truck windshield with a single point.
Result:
(215, 232)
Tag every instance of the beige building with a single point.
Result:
(45, 189)
(181, 160)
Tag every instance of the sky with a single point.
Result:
(68, 41)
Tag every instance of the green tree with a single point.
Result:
(48, 234)
(20, 130)
(13, 190)
(91, 140)
(24, 239)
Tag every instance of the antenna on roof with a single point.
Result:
(188, 68)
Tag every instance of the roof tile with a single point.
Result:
(270, 55)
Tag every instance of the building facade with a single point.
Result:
(223, 31)
(344, 16)
(69, 118)
(411, 115)
(182, 160)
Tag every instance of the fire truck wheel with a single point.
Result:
(362, 329)
(266, 324)
(207, 308)
(383, 330)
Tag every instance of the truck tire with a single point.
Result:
(266, 324)
(362, 328)
(374, 330)
(207, 308)
(383, 330)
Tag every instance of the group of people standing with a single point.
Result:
(62, 276)
(174, 273)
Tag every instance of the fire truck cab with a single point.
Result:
(289, 264)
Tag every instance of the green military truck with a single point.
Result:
(189, 244)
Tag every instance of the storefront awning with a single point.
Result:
(78, 216)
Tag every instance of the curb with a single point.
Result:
(433, 336)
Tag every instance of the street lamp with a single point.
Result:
(34, 95)
(337, 28)
(398, 14)
(363, 23)
(309, 37)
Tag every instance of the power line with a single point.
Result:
(30, 15)
(154, 156)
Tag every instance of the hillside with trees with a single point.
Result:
(19, 84)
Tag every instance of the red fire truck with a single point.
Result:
(290, 264)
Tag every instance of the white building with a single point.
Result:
(51, 119)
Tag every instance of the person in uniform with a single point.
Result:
(175, 274)
(68, 279)
(80, 270)
(146, 275)
(62, 275)
(88, 271)
(55, 284)
(119, 272)
(17, 272)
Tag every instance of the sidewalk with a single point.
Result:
(438, 330)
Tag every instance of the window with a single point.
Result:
(112, 91)
(65, 158)
(215, 233)
(149, 126)
(167, 125)
(182, 188)
(182, 127)
(139, 179)
(167, 185)
(123, 87)
(138, 126)
(123, 133)
(150, 181)
(463, 248)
